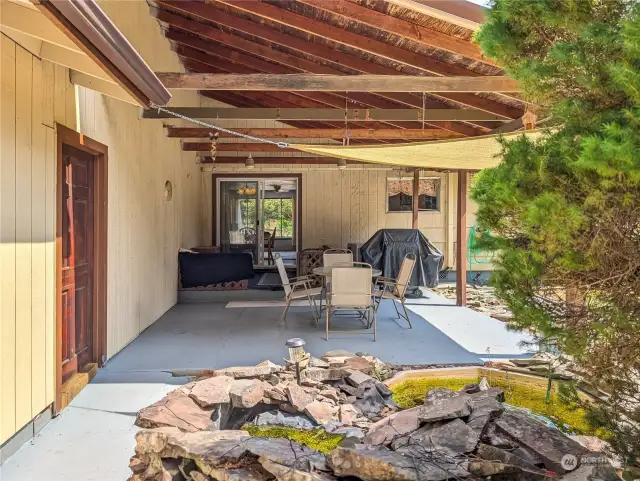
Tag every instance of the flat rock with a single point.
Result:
(273, 367)
(337, 353)
(330, 394)
(491, 453)
(347, 414)
(394, 426)
(358, 363)
(202, 445)
(494, 393)
(550, 444)
(322, 375)
(250, 473)
(380, 464)
(349, 389)
(286, 452)
(371, 402)
(245, 371)
(484, 410)
(276, 394)
(315, 362)
(178, 411)
(451, 439)
(471, 388)
(384, 391)
(439, 410)
(279, 418)
(246, 393)
(211, 391)
(493, 439)
(285, 473)
(298, 397)
(436, 394)
(359, 379)
(321, 412)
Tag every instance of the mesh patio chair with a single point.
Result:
(351, 290)
(297, 288)
(396, 289)
(330, 258)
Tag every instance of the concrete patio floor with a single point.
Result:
(93, 438)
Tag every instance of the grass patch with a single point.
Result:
(316, 439)
(412, 392)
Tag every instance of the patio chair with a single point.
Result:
(395, 289)
(297, 288)
(330, 258)
(351, 290)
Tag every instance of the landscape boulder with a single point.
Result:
(212, 391)
(178, 411)
(246, 393)
(441, 409)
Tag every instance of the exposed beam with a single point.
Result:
(277, 160)
(105, 87)
(73, 60)
(512, 126)
(415, 200)
(322, 114)
(461, 240)
(232, 147)
(412, 31)
(345, 37)
(329, 83)
(339, 59)
(284, 133)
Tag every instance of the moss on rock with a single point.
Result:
(567, 417)
(317, 439)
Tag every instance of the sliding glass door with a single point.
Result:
(258, 216)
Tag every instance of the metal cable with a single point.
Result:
(282, 145)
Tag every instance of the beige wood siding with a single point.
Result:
(33, 95)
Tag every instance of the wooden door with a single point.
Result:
(77, 261)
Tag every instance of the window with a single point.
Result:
(400, 195)
(278, 215)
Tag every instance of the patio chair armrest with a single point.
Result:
(304, 283)
(385, 283)
(299, 278)
(385, 279)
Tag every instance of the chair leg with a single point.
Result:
(406, 314)
(374, 325)
(328, 317)
(396, 308)
(283, 320)
(312, 304)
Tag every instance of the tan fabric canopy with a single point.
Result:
(473, 153)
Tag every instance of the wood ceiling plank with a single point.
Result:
(321, 114)
(285, 133)
(328, 83)
(417, 33)
(266, 33)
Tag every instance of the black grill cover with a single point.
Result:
(387, 248)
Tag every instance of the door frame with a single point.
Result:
(65, 135)
(256, 176)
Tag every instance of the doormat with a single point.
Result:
(243, 304)
(270, 279)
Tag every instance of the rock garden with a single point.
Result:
(339, 420)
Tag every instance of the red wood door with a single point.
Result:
(77, 261)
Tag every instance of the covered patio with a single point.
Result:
(194, 336)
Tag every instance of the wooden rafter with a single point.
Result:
(412, 31)
(328, 83)
(275, 160)
(232, 147)
(287, 64)
(284, 133)
(322, 114)
(340, 59)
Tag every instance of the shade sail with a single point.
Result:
(473, 153)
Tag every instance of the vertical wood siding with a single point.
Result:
(33, 95)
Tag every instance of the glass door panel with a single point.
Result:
(239, 217)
